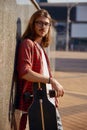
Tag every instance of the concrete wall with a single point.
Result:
(9, 14)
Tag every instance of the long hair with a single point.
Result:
(30, 32)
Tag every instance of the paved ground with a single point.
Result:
(73, 106)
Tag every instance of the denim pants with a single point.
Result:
(59, 122)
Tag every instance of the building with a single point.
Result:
(70, 18)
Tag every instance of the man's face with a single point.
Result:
(42, 25)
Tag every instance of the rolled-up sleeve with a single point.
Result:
(24, 58)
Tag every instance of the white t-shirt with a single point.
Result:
(46, 73)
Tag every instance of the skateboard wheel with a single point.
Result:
(27, 96)
(52, 93)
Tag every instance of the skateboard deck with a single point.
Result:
(42, 113)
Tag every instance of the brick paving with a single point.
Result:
(73, 105)
(74, 114)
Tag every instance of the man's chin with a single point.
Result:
(41, 35)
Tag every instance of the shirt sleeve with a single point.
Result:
(24, 58)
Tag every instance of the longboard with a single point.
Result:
(42, 113)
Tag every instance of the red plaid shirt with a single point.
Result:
(30, 57)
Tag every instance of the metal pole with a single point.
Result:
(35, 4)
(67, 28)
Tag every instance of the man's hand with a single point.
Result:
(57, 86)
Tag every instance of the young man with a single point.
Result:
(33, 63)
